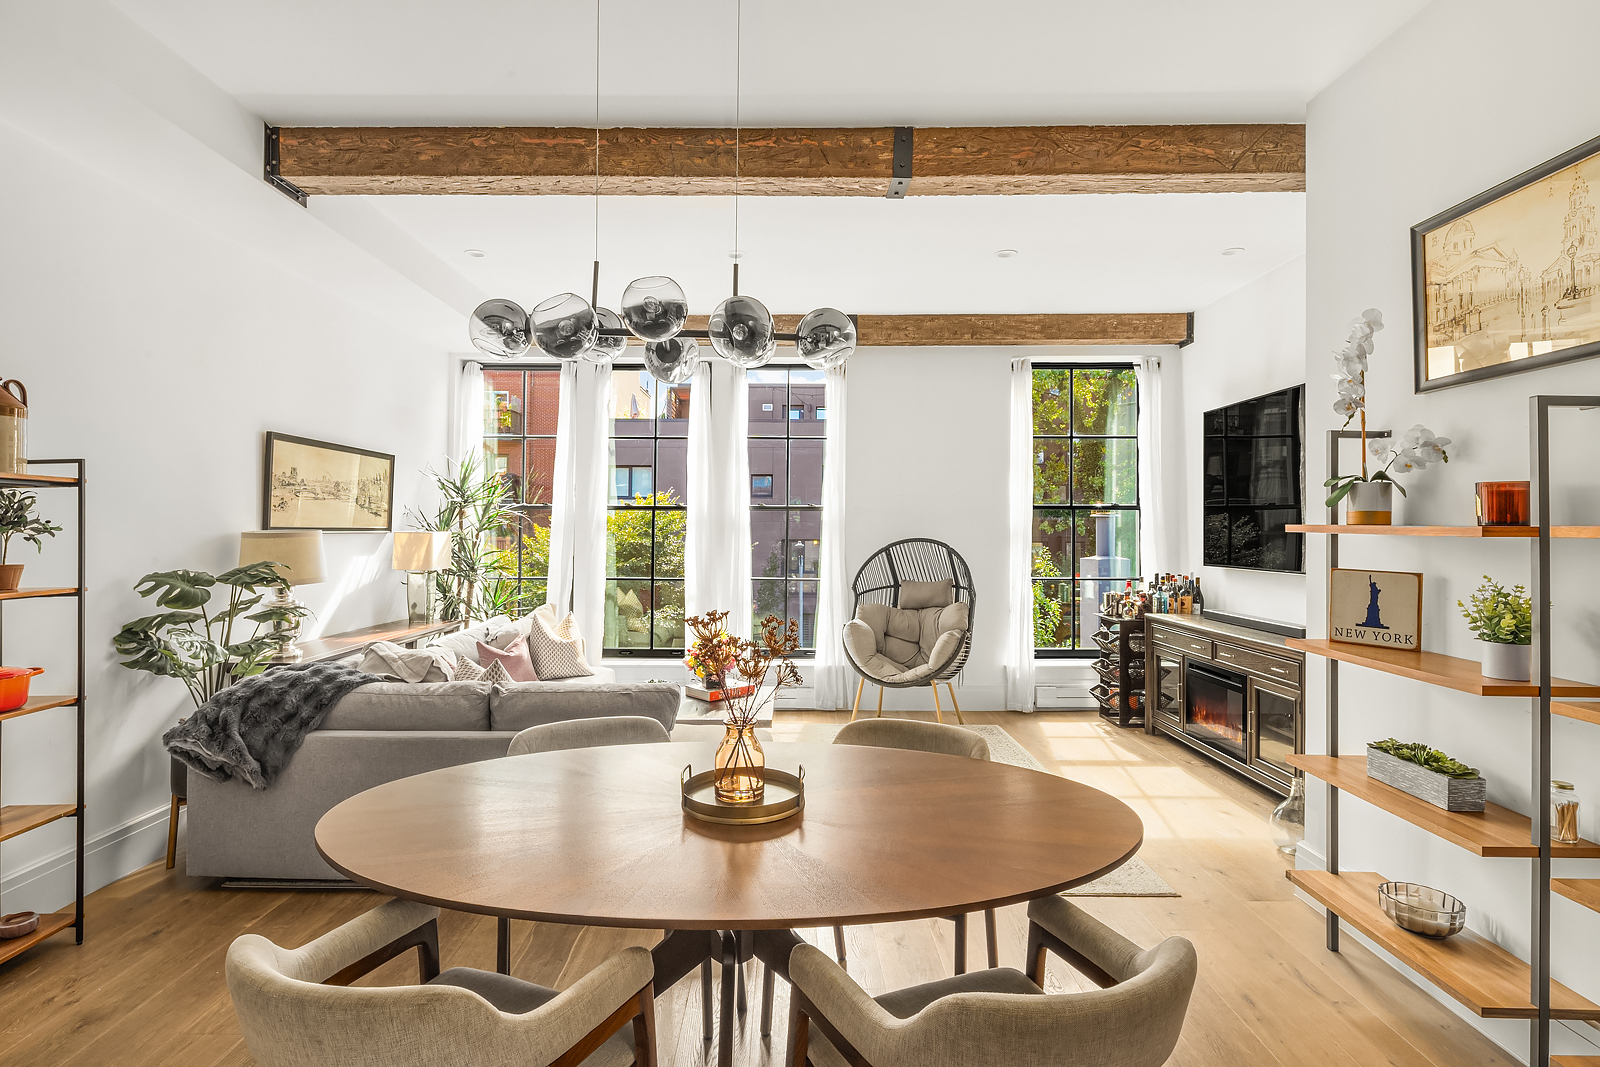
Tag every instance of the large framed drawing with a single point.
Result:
(1510, 280)
(314, 485)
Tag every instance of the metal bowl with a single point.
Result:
(1422, 909)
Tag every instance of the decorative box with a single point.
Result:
(1442, 791)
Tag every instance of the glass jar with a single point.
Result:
(1501, 503)
(1288, 820)
(1563, 813)
(740, 766)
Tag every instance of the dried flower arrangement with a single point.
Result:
(768, 654)
(713, 650)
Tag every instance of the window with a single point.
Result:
(786, 448)
(1085, 498)
(519, 441)
(646, 518)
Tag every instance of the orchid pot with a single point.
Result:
(1369, 504)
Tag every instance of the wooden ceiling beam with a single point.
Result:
(1006, 160)
(1173, 328)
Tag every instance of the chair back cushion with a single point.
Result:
(915, 595)
(589, 733)
(407, 706)
(915, 736)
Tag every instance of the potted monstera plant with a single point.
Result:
(17, 519)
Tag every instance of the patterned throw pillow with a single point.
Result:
(468, 671)
(557, 651)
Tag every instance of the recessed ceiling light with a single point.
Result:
(1006, 253)
(1232, 251)
(476, 253)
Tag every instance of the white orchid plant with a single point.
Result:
(1417, 449)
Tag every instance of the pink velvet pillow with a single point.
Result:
(513, 659)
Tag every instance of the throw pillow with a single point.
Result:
(914, 595)
(557, 651)
(464, 642)
(389, 660)
(513, 660)
(496, 674)
(468, 671)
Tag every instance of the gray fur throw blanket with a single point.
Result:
(251, 729)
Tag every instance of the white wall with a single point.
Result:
(165, 308)
(1250, 342)
(1465, 96)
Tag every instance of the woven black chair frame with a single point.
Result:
(914, 559)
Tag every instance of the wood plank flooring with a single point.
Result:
(146, 987)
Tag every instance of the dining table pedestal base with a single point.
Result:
(681, 952)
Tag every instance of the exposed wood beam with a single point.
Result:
(1172, 328)
(794, 162)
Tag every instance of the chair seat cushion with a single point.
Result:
(907, 639)
(516, 997)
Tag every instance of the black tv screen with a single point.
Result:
(1254, 483)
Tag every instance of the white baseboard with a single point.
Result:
(48, 884)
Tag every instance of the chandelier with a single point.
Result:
(654, 309)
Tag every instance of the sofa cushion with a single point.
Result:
(519, 706)
(917, 595)
(420, 706)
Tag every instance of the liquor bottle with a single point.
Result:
(1199, 598)
(1186, 597)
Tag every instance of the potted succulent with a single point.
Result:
(1371, 493)
(1427, 774)
(1502, 619)
(18, 520)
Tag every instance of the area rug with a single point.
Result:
(1132, 879)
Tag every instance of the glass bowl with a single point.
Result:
(1422, 909)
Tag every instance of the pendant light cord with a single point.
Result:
(738, 91)
(594, 292)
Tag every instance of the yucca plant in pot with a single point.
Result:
(18, 520)
(1502, 619)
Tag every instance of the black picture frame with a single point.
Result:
(1419, 284)
(271, 517)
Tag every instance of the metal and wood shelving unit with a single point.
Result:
(18, 819)
(1121, 667)
(1490, 981)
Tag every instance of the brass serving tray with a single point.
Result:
(783, 796)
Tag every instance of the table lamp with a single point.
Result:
(298, 555)
(419, 553)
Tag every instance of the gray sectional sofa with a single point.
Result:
(378, 733)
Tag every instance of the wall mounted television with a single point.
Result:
(1254, 483)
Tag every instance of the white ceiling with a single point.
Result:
(814, 62)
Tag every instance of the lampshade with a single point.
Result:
(742, 332)
(298, 553)
(654, 308)
(827, 336)
(564, 326)
(421, 550)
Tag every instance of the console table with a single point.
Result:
(351, 642)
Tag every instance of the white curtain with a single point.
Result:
(717, 548)
(578, 507)
(1158, 549)
(466, 429)
(833, 672)
(1019, 511)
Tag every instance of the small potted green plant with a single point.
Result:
(18, 520)
(1502, 619)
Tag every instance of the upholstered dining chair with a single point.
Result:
(1002, 1016)
(589, 733)
(911, 624)
(297, 1009)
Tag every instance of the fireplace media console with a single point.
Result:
(1231, 693)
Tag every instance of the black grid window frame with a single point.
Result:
(491, 441)
(1070, 436)
(652, 651)
(789, 510)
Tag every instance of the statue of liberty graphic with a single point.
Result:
(1374, 620)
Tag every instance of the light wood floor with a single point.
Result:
(146, 988)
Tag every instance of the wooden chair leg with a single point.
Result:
(938, 713)
(856, 710)
(799, 1031)
(953, 703)
(961, 943)
(172, 832)
(992, 936)
(644, 1029)
(838, 945)
(880, 701)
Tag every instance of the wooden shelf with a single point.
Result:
(1575, 1061)
(1464, 675)
(1495, 831)
(1585, 891)
(1522, 532)
(1490, 981)
(23, 594)
(49, 925)
(38, 703)
(1588, 712)
(20, 818)
(37, 479)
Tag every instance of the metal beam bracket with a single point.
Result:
(900, 182)
(269, 169)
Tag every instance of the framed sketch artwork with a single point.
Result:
(314, 485)
(1510, 280)
(1382, 608)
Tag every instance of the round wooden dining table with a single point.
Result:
(598, 837)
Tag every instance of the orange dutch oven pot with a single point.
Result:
(14, 686)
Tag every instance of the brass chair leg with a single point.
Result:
(880, 701)
(951, 686)
(172, 832)
(838, 946)
(938, 713)
(855, 710)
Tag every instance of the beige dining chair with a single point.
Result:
(1001, 1016)
(589, 733)
(297, 1009)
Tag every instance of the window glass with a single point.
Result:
(646, 519)
(788, 424)
(520, 410)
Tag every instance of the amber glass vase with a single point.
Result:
(741, 766)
